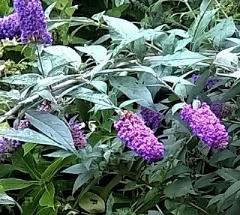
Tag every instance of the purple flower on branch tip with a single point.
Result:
(8, 146)
(151, 118)
(9, 27)
(132, 130)
(205, 125)
(32, 21)
(45, 106)
(79, 138)
(211, 82)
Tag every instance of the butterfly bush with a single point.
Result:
(32, 21)
(79, 138)
(205, 125)
(9, 26)
(151, 118)
(132, 130)
(221, 109)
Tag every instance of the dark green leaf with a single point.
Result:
(179, 187)
(52, 127)
(47, 198)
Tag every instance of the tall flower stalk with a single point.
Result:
(132, 130)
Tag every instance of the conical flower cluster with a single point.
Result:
(32, 21)
(79, 138)
(151, 118)
(9, 27)
(27, 22)
(132, 130)
(205, 125)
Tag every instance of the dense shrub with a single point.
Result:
(119, 107)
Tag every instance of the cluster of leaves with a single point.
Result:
(103, 62)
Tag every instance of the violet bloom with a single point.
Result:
(151, 118)
(45, 106)
(24, 123)
(205, 125)
(9, 27)
(132, 130)
(32, 21)
(222, 110)
(8, 146)
(211, 82)
(79, 138)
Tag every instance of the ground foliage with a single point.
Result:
(107, 56)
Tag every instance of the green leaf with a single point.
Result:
(100, 86)
(197, 30)
(47, 211)
(25, 79)
(179, 187)
(152, 212)
(52, 169)
(12, 94)
(178, 59)
(52, 127)
(66, 54)
(222, 30)
(81, 180)
(59, 154)
(228, 174)
(99, 53)
(109, 205)
(221, 156)
(16, 184)
(92, 203)
(47, 199)
(4, 7)
(76, 169)
(133, 90)
(6, 170)
(120, 29)
(27, 147)
(91, 96)
(6, 200)
(25, 164)
(29, 136)
(233, 189)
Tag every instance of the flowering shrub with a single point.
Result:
(119, 107)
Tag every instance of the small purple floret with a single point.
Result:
(132, 130)
(205, 125)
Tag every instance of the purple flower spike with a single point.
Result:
(79, 138)
(205, 125)
(9, 27)
(8, 146)
(222, 110)
(151, 118)
(32, 21)
(132, 130)
(211, 82)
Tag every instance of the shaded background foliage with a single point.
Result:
(99, 64)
